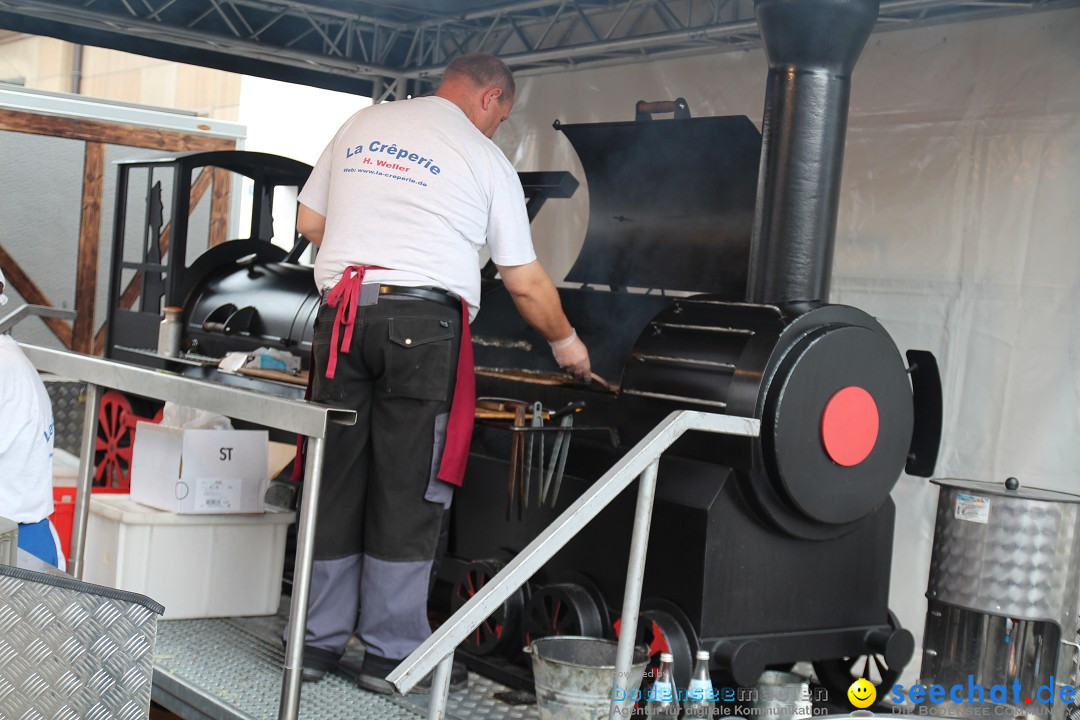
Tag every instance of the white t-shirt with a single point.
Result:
(26, 438)
(414, 186)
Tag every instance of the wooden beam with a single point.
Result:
(131, 291)
(32, 294)
(93, 189)
(110, 133)
(219, 207)
(93, 131)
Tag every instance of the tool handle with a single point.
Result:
(486, 414)
(568, 409)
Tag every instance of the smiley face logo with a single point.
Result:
(862, 693)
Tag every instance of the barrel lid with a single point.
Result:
(1000, 489)
(671, 203)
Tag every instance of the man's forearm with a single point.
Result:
(537, 300)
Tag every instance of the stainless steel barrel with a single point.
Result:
(1003, 599)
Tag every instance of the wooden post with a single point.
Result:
(219, 207)
(89, 235)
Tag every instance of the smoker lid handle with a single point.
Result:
(644, 110)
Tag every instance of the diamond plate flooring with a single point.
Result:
(69, 411)
(67, 652)
(231, 668)
(476, 703)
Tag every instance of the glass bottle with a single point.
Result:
(169, 332)
(700, 697)
(664, 699)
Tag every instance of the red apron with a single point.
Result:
(344, 296)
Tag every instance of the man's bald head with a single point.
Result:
(482, 86)
(481, 71)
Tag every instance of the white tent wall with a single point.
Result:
(959, 229)
(296, 121)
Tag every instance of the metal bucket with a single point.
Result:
(573, 676)
(782, 696)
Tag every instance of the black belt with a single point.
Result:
(434, 294)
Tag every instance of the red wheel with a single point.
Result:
(664, 628)
(502, 630)
(112, 456)
(562, 609)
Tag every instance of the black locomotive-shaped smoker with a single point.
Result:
(764, 552)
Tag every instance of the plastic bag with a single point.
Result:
(189, 418)
(269, 359)
(262, 359)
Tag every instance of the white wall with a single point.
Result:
(296, 121)
(959, 228)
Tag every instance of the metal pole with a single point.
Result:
(440, 688)
(86, 477)
(305, 551)
(635, 575)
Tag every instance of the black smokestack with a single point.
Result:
(812, 46)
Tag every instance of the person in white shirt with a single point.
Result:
(26, 450)
(400, 204)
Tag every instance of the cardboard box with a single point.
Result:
(199, 471)
(197, 566)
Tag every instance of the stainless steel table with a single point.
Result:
(298, 416)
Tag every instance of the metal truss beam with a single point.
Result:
(399, 48)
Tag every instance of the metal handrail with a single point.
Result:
(44, 311)
(437, 652)
(298, 416)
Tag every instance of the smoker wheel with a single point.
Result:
(118, 415)
(501, 631)
(563, 609)
(576, 578)
(663, 627)
(112, 452)
(836, 675)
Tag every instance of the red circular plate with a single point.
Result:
(849, 426)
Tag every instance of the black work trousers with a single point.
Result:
(381, 506)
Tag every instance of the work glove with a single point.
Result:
(572, 355)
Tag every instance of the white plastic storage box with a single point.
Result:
(197, 566)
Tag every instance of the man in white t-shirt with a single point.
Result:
(26, 450)
(400, 204)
